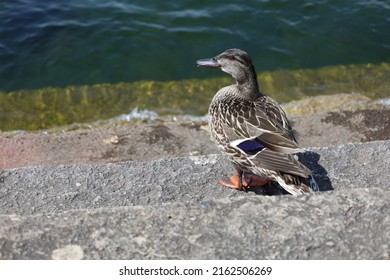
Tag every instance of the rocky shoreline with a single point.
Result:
(150, 192)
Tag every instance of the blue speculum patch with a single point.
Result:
(251, 146)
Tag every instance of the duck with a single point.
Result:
(253, 131)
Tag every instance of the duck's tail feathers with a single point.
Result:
(297, 185)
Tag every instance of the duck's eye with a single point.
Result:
(230, 56)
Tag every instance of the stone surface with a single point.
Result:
(331, 225)
(173, 208)
(150, 192)
(156, 141)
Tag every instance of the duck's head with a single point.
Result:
(234, 62)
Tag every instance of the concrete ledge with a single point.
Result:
(173, 208)
(331, 225)
(174, 139)
(56, 188)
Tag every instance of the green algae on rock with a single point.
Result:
(48, 107)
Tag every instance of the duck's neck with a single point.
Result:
(247, 84)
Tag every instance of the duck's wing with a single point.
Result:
(266, 158)
(262, 132)
(264, 120)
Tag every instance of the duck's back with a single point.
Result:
(232, 117)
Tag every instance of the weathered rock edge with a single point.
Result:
(48, 189)
(350, 225)
(178, 212)
(175, 139)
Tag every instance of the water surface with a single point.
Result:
(85, 42)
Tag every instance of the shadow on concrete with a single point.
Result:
(320, 174)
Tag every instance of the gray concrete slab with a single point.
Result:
(173, 208)
(174, 139)
(49, 189)
(333, 225)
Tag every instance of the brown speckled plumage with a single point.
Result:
(252, 129)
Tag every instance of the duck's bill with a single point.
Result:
(208, 62)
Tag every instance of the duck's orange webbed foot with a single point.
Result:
(234, 183)
(242, 181)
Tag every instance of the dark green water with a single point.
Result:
(84, 42)
(70, 61)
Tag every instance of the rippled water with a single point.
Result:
(76, 42)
